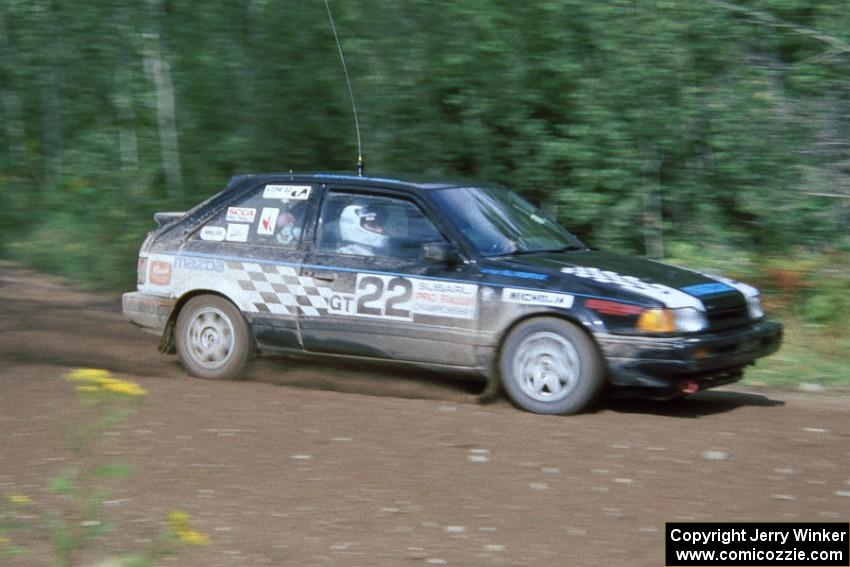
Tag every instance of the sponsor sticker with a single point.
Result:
(213, 233)
(444, 299)
(160, 273)
(287, 192)
(200, 264)
(241, 214)
(237, 233)
(533, 297)
(268, 221)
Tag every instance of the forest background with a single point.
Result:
(711, 134)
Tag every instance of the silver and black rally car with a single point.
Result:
(455, 275)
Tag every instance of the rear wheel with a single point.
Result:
(213, 339)
(550, 366)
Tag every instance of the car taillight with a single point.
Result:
(142, 270)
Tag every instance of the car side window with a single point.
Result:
(369, 225)
(273, 215)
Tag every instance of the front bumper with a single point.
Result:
(670, 366)
(150, 312)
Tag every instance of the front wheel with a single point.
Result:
(550, 366)
(213, 339)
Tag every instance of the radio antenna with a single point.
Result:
(360, 165)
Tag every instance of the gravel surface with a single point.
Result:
(308, 464)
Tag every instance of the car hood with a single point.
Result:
(671, 286)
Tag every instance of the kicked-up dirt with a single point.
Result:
(314, 465)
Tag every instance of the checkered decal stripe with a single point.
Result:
(268, 288)
(669, 296)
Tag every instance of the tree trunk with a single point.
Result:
(127, 139)
(10, 102)
(50, 100)
(160, 69)
(653, 230)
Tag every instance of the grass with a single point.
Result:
(810, 354)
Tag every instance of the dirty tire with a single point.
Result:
(550, 366)
(213, 339)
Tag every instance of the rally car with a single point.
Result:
(457, 275)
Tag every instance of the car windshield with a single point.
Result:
(498, 222)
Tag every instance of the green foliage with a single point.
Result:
(64, 482)
(810, 354)
(715, 125)
(113, 470)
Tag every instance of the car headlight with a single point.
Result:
(686, 320)
(754, 307)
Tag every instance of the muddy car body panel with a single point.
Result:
(439, 292)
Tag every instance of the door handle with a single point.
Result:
(323, 276)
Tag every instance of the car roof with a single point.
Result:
(408, 182)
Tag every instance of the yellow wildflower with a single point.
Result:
(178, 520)
(193, 537)
(95, 375)
(180, 524)
(124, 387)
(99, 380)
(19, 499)
(4, 541)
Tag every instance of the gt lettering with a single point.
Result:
(341, 304)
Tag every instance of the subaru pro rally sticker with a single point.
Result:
(213, 233)
(530, 297)
(241, 214)
(444, 299)
(287, 192)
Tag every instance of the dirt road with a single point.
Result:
(314, 465)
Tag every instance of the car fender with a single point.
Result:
(169, 275)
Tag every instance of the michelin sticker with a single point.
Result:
(241, 214)
(237, 233)
(213, 233)
(531, 297)
(268, 221)
(395, 297)
(287, 192)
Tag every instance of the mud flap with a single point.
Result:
(492, 388)
(166, 343)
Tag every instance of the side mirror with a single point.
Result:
(439, 252)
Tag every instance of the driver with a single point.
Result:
(289, 222)
(362, 232)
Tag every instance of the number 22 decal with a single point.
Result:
(384, 296)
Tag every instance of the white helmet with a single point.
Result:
(361, 225)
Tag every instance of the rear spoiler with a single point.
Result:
(166, 217)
